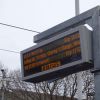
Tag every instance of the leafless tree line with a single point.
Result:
(57, 90)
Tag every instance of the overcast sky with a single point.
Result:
(38, 15)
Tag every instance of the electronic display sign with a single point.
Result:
(49, 57)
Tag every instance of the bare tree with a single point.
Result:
(88, 87)
(70, 86)
(48, 89)
(18, 88)
(51, 90)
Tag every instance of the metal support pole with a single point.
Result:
(79, 86)
(77, 9)
(96, 52)
(79, 79)
(3, 76)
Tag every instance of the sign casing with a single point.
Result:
(61, 55)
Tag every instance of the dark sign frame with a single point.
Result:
(66, 69)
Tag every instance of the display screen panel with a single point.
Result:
(52, 55)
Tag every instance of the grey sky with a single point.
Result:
(36, 15)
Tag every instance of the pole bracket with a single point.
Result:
(95, 70)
